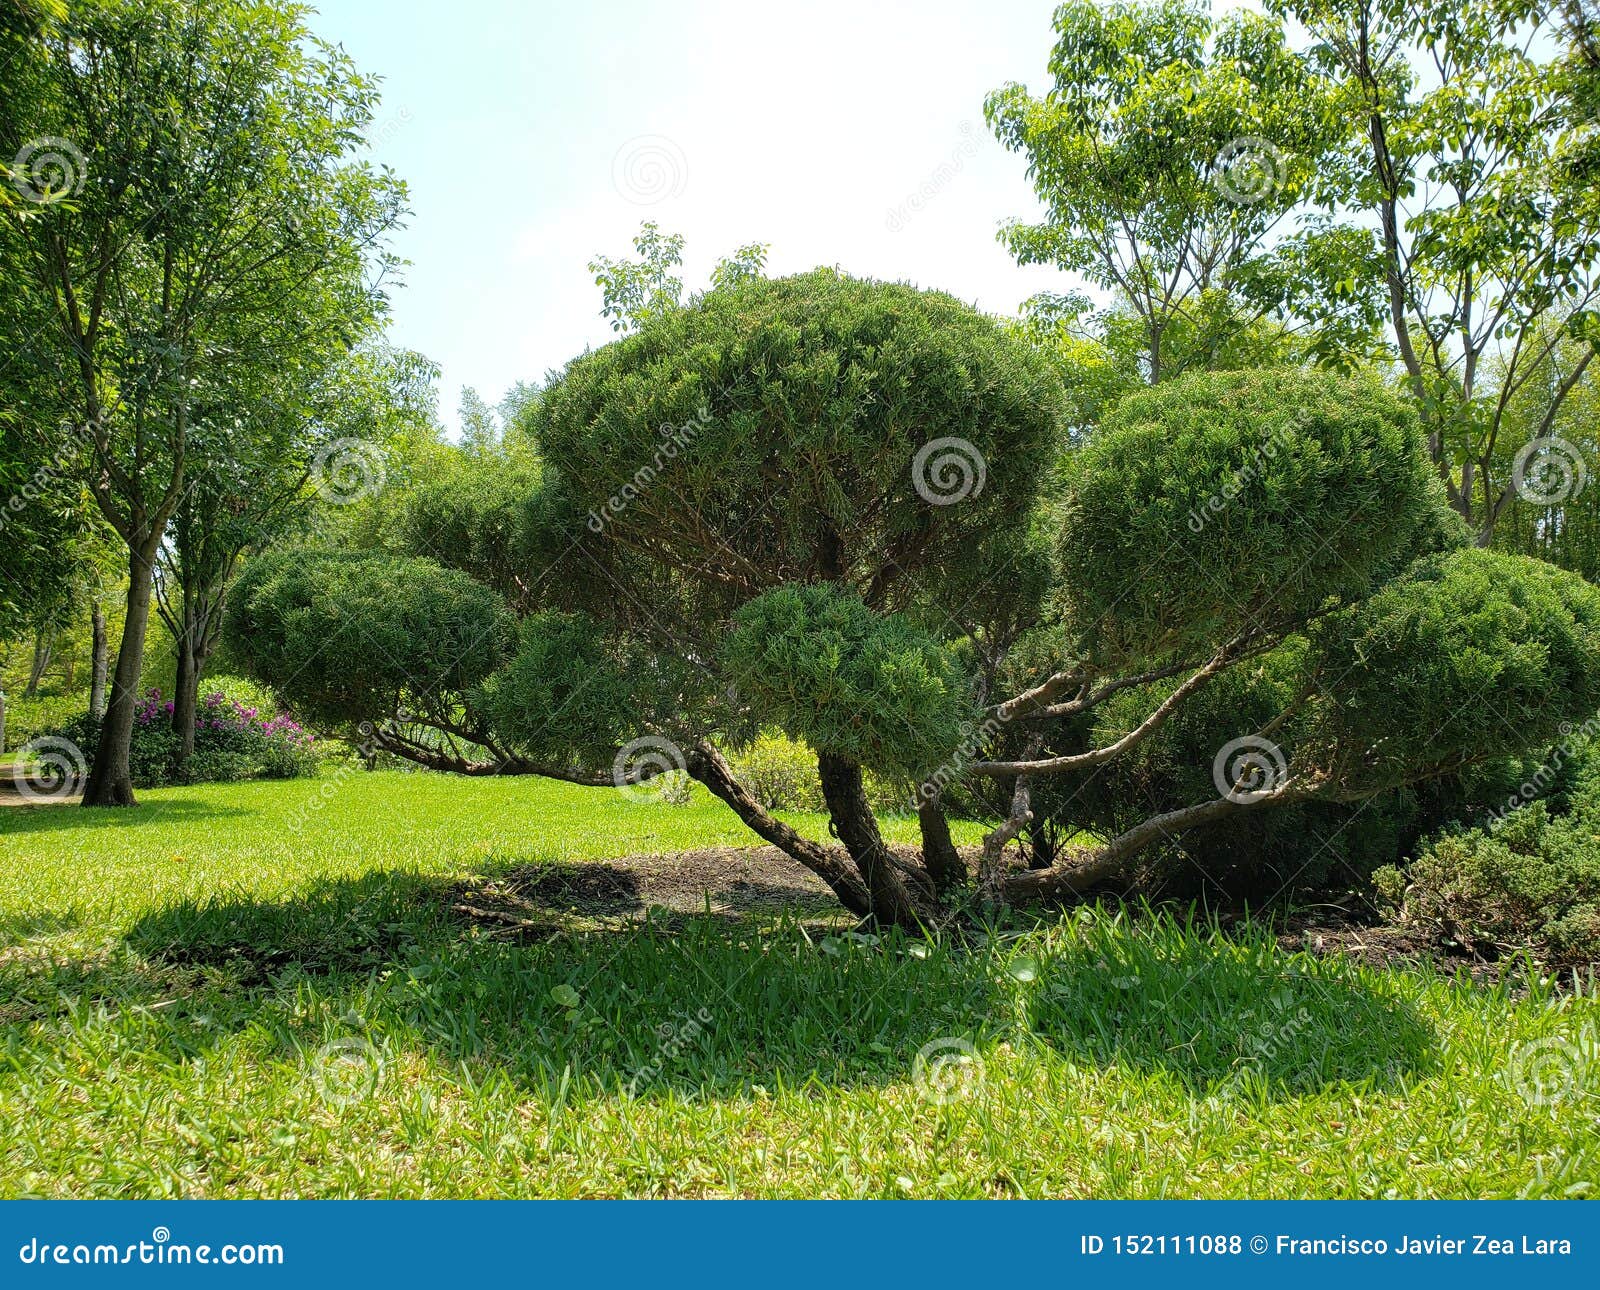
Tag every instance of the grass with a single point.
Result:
(225, 993)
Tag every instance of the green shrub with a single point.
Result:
(1221, 500)
(152, 752)
(780, 772)
(565, 696)
(820, 665)
(354, 637)
(27, 719)
(232, 741)
(1530, 880)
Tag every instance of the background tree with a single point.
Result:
(634, 291)
(213, 190)
(293, 438)
(1169, 148)
(1454, 212)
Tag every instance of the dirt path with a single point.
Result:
(11, 793)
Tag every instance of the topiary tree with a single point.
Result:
(846, 510)
(1286, 521)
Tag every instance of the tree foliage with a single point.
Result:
(1260, 558)
(202, 232)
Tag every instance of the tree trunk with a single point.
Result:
(711, 769)
(1043, 853)
(43, 646)
(98, 663)
(111, 777)
(185, 695)
(939, 855)
(857, 827)
(2, 716)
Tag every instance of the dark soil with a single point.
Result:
(731, 882)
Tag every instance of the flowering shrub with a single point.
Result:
(232, 741)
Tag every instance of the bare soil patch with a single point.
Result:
(730, 882)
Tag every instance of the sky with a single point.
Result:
(534, 136)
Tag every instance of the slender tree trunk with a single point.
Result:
(1043, 854)
(111, 777)
(185, 694)
(43, 647)
(98, 665)
(852, 816)
(2, 716)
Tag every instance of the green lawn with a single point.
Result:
(198, 998)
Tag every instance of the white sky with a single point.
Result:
(808, 126)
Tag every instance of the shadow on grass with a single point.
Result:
(1224, 1012)
(45, 817)
(20, 927)
(709, 1007)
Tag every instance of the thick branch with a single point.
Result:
(708, 766)
(1109, 865)
(1095, 756)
